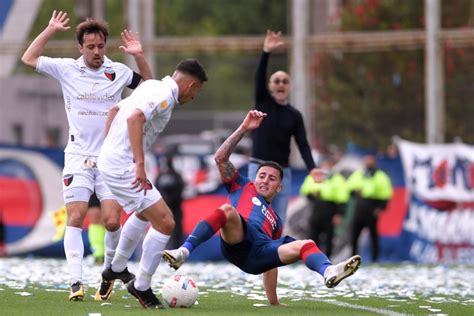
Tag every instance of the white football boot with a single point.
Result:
(336, 273)
(176, 257)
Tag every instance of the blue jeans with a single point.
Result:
(280, 201)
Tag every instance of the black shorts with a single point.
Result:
(94, 201)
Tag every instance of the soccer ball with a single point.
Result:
(180, 291)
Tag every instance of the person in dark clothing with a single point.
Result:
(328, 200)
(171, 186)
(272, 140)
(372, 190)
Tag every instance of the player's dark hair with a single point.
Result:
(274, 165)
(91, 26)
(193, 68)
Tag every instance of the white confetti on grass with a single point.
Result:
(405, 283)
(260, 305)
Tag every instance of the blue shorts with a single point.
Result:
(257, 253)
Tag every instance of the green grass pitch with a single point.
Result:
(35, 286)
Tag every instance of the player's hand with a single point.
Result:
(131, 43)
(59, 21)
(253, 120)
(141, 182)
(272, 40)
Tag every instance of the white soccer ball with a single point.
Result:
(180, 291)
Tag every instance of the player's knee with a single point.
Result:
(75, 219)
(112, 224)
(167, 224)
(227, 209)
(303, 243)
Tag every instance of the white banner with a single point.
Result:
(438, 171)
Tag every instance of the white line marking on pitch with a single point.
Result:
(361, 307)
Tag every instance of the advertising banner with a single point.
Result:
(439, 226)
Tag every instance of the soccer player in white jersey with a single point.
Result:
(134, 125)
(91, 85)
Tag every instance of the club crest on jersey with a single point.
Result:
(110, 74)
(67, 179)
(256, 201)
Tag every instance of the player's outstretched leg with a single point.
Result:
(336, 273)
(204, 230)
(176, 257)
(146, 298)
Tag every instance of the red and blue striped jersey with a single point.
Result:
(254, 209)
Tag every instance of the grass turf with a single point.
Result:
(41, 301)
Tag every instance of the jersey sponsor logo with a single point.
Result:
(256, 201)
(67, 179)
(92, 113)
(269, 216)
(110, 74)
(164, 105)
(92, 97)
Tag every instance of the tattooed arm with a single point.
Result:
(252, 121)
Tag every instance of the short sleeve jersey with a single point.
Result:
(156, 99)
(243, 196)
(88, 95)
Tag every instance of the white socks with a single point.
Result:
(131, 235)
(110, 242)
(74, 250)
(153, 246)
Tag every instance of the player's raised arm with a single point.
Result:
(57, 23)
(132, 45)
(252, 120)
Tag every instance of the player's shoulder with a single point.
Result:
(118, 66)
(58, 60)
(152, 84)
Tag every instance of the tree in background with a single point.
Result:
(364, 98)
(367, 98)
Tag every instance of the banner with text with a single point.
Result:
(439, 226)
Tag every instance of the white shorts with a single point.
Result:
(81, 172)
(126, 196)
